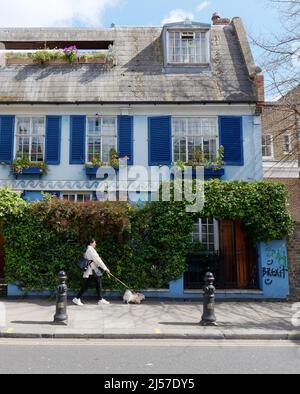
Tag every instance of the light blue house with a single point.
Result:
(165, 92)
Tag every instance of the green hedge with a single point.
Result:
(146, 247)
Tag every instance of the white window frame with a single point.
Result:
(289, 151)
(207, 47)
(187, 118)
(216, 234)
(87, 135)
(272, 147)
(75, 194)
(17, 135)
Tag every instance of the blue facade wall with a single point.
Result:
(273, 276)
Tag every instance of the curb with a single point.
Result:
(221, 336)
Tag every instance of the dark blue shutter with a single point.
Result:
(125, 138)
(7, 128)
(53, 139)
(160, 141)
(231, 137)
(77, 143)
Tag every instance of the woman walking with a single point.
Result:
(93, 274)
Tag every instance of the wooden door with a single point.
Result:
(241, 256)
(1, 256)
(227, 249)
(239, 259)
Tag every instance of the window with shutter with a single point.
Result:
(77, 139)
(7, 125)
(231, 138)
(53, 140)
(160, 141)
(125, 136)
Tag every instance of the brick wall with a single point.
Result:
(294, 264)
(280, 121)
(293, 186)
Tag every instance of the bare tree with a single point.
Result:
(281, 64)
(282, 52)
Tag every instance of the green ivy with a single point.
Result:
(146, 247)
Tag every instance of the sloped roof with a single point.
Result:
(139, 75)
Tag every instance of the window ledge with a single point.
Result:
(186, 68)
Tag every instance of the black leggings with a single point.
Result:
(87, 282)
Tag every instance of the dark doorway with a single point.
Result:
(234, 265)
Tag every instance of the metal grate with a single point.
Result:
(220, 264)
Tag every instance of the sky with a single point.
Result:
(259, 17)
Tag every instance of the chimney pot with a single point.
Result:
(215, 17)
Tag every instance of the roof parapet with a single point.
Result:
(238, 26)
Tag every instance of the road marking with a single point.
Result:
(149, 343)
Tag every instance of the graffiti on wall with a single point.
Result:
(276, 266)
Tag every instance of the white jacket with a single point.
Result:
(92, 255)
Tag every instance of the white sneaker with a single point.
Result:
(103, 302)
(77, 302)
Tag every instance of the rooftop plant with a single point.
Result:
(69, 54)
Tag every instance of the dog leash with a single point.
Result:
(119, 281)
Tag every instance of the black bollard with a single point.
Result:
(61, 317)
(209, 317)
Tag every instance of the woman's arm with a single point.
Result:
(98, 261)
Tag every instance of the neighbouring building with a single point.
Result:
(281, 154)
(160, 93)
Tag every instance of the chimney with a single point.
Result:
(259, 81)
(217, 20)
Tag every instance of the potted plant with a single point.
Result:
(71, 54)
(213, 168)
(92, 167)
(23, 166)
(18, 58)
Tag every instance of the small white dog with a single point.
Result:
(133, 298)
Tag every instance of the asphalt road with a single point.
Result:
(148, 357)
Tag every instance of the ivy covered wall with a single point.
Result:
(147, 246)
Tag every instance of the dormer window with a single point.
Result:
(188, 47)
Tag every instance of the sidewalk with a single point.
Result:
(33, 318)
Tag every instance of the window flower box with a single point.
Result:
(29, 171)
(209, 173)
(24, 167)
(91, 172)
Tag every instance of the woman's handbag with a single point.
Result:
(83, 264)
